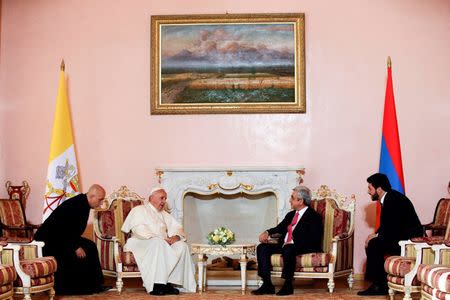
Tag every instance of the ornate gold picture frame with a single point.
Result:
(232, 63)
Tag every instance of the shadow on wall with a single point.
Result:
(370, 212)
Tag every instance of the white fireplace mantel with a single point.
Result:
(229, 181)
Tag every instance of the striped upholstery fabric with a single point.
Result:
(309, 260)
(401, 280)
(308, 269)
(336, 224)
(441, 218)
(435, 276)
(39, 267)
(12, 214)
(105, 250)
(399, 265)
(434, 293)
(36, 281)
(336, 221)
(5, 288)
(7, 274)
(106, 223)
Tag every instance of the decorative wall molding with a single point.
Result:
(229, 181)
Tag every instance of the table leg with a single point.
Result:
(243, 263)
(204, 272)
(201, 272)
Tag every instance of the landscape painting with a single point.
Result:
(228, 64)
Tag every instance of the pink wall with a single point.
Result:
(106, 47)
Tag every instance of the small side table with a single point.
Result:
(204, 249)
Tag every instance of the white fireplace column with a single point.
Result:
(229, 181)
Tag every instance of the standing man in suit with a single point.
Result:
(301, 232)
(398, 221)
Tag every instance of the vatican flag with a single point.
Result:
(62, 172)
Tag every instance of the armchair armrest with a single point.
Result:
(409, 277)
(437, 252)
(414, 242)
(341, 251)
(34, 226)
(12, 227)
(106, 243)
(26, 279)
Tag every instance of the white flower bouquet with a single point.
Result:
(220, 236)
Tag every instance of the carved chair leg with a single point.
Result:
(330, 285)
(350, 280)
(51, 293)
(407, 296)
(119, 284)
(391, 293)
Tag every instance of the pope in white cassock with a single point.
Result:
(159, 247)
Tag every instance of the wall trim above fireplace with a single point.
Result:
(229, 181)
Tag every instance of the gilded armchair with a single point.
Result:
(7, 277)
(110, 239)
(435, 278)
(336, 260)
(35, 272)
(13, 222)
(441, 217)
(402, 271)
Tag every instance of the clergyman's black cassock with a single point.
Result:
(61, 233)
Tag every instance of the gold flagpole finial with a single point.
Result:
(389, 62)
(63, 66)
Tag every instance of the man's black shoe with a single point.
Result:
(374, 290)
(264, 290)
(170, 290)
(158, 289)
(286, 289)
(103, 288)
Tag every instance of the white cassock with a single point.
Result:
(158, 261)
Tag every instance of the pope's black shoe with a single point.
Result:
(286, 289)
(170, 290)
(374, 290)
(158, 289)
(265, 289)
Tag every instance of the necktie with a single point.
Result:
(294, 221)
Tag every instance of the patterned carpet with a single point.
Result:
(309, 291)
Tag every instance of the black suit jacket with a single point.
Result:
(398, 220)
(307, 235)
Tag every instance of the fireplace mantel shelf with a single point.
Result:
(230, 168)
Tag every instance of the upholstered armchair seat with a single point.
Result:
(35, 273)
(337, 259)
(311, 262)
(41, 267)
(403, 270)
(110, 239)
(435, 281)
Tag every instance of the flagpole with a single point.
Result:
(63, 66)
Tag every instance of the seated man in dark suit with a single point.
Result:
(301, 232)
(398, 221)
